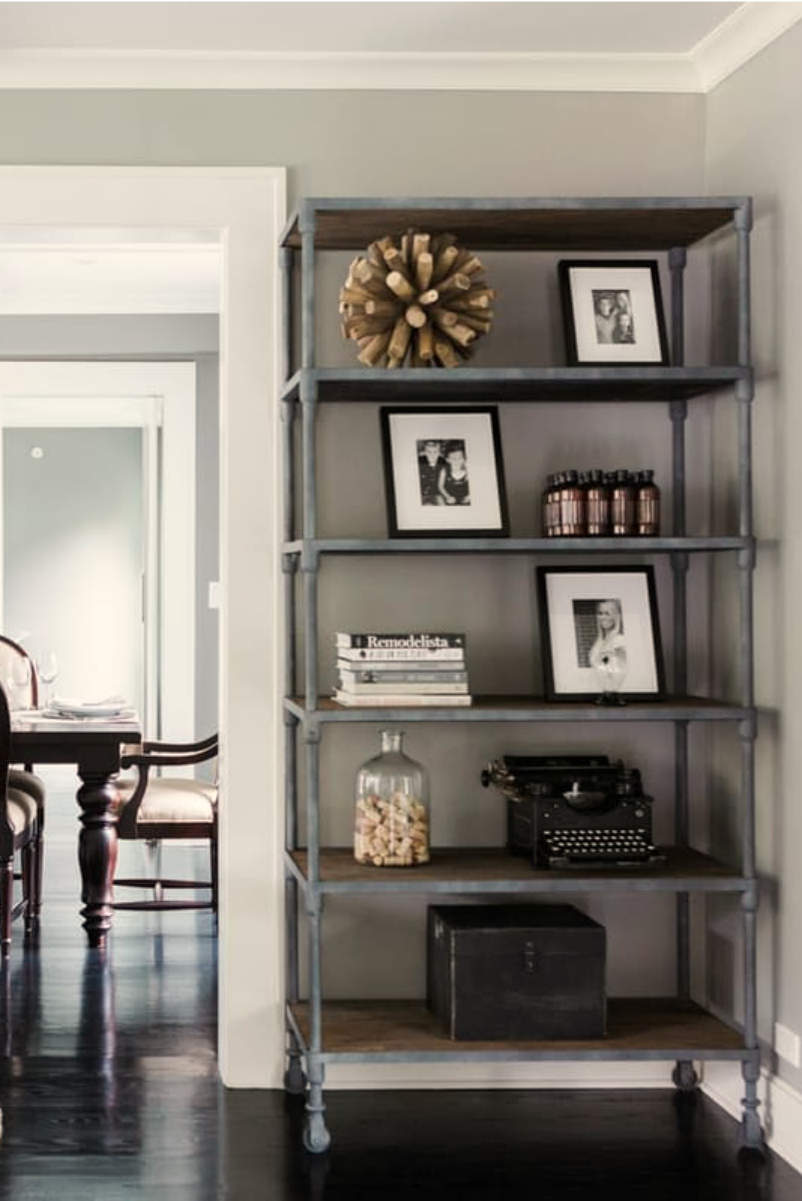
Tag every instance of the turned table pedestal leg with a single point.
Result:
(97, 853)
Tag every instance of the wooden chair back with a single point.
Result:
(6, 832)
(11, 652)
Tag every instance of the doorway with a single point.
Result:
(61, 526)
(150, 408)
(245, 209)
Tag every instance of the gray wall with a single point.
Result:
(188, 338)
(380, 144)
(438, 144)
(753, 122)
(62, 523)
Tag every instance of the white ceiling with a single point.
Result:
(109, 278)
(553, 28)
(686, 46)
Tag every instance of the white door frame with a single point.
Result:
(149, 396)
(244, 206)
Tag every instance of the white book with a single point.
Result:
(403, 688)
(403, 667)
(417, 674)
(397, 642)
(409, 655)
(396, 701)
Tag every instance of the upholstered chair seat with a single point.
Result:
(21, 810)
(26, 781)
(169, 799)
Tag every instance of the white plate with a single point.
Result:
(89, 709)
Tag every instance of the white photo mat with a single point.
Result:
(631, 589)
(475, 429)
(638, 282)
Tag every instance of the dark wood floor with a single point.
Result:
(109, 1090)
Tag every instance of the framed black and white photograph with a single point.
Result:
(443, 472)
(600, 634)
(613, 313)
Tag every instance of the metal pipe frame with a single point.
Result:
(751, 1133)
(306, 554)
(286, 262)
(316, 1136)
(684, 1075)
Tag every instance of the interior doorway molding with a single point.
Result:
(159, 399)
(245, 209)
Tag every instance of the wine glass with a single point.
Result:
(19, 683)
(47, 667)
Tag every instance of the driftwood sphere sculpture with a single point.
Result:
(421, 300)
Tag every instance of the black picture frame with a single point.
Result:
(468, 467)
(569, 599)
(613, 313)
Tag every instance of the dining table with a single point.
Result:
(94, 747)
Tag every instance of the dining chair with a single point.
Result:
(18, 835)
(27, 693)
(155, 809)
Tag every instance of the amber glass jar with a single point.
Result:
(647, 504)
(597, 505)
(622, 505)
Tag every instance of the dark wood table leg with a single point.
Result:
(97, 853)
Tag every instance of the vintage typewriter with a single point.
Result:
(575, 811)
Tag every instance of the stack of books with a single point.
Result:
(401, 669)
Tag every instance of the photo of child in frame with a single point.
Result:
(443, 472)
(613, 316)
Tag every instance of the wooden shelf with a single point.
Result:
(615, 223)
(529, 708)
(348, 385)
(493, 870)
(637, 1028)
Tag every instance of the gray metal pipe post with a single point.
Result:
(286, 260)
(316, 1136)
(746, 561)
(677, 259)
(309, 567)
(306, 225)
(288, 412)
(309, 557)
(314, 900)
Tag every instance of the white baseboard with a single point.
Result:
(780, 1106)
(494, 1075)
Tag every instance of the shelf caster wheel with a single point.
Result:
(295, 1078)
(750, 1154)
(752, 1149)
(685, 1077)
(316, 1137)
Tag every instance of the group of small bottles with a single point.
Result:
(579, 504)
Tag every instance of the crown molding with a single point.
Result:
(338, 71)
(743, 35)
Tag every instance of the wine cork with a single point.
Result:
(391, 832)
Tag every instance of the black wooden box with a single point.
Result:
(516, 971)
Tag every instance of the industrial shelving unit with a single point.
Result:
(674, 1029)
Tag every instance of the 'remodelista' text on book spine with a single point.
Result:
(401, 642)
